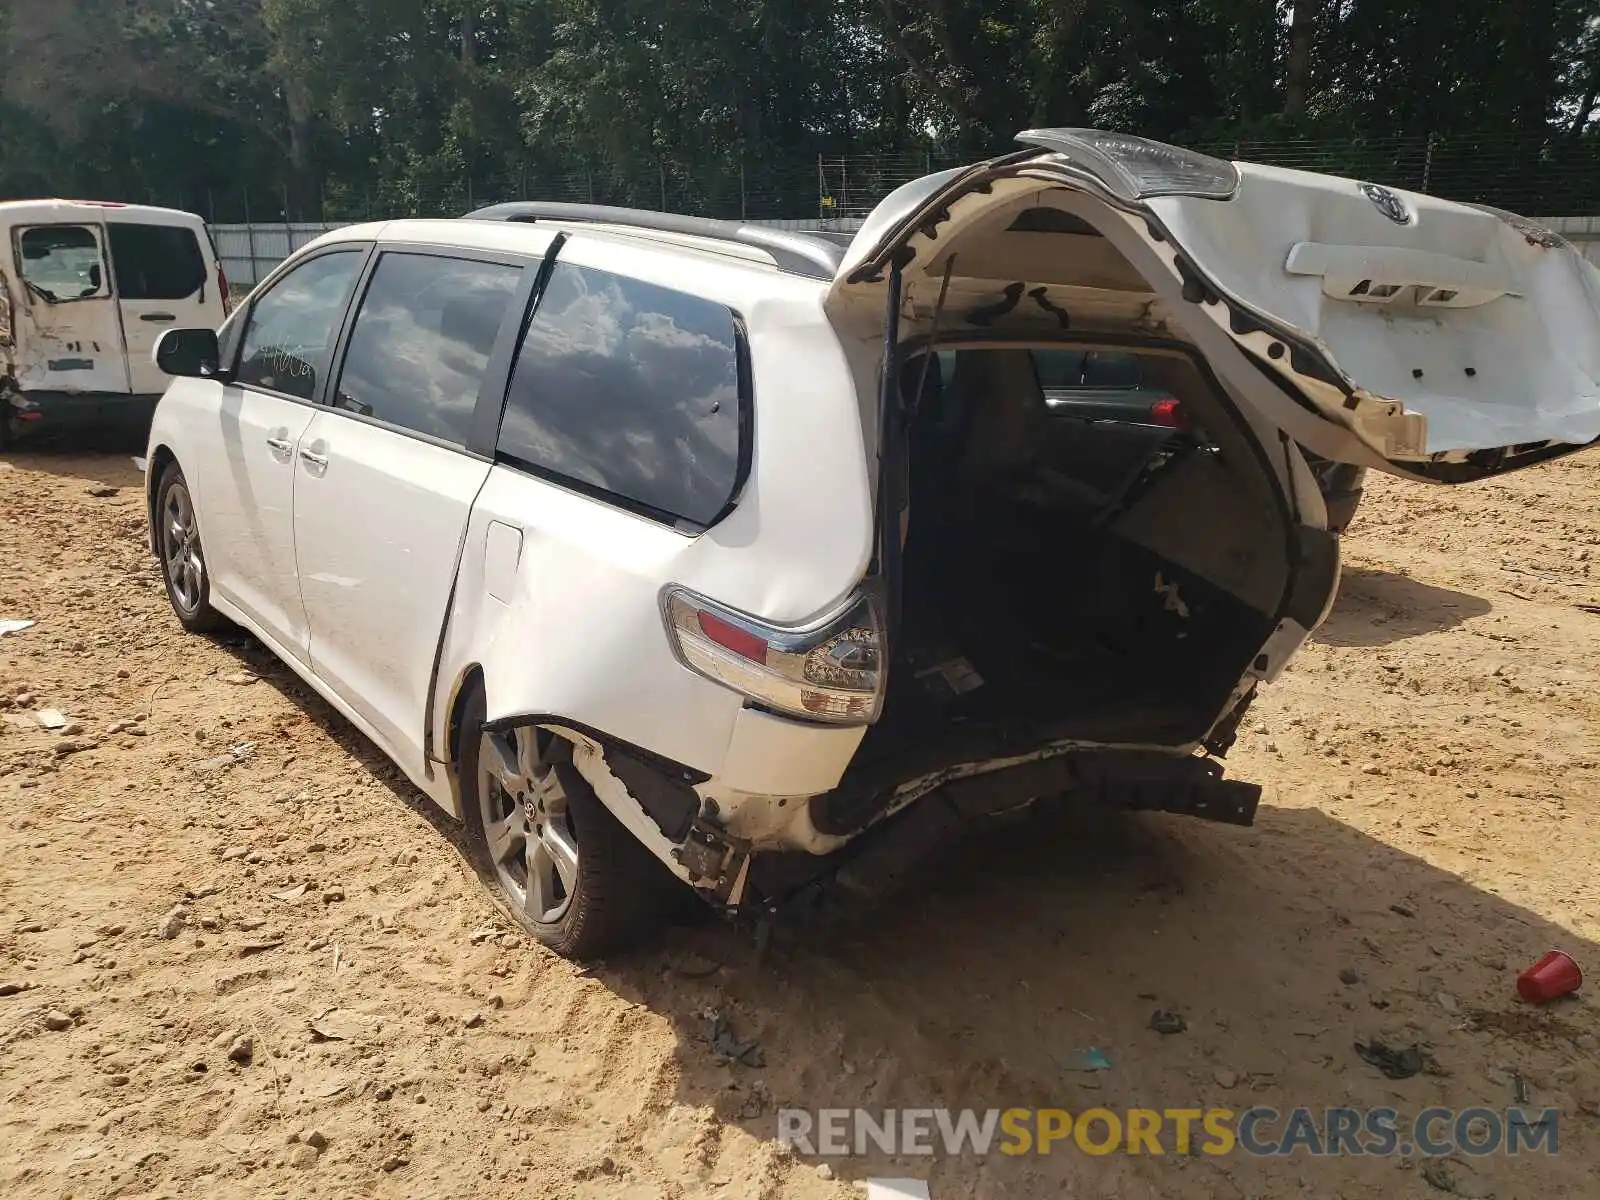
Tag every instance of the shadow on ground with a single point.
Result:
(1022, 949)
(1031, 946)
(97, 456)
(1379, 608)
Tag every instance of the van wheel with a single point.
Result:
(561, 864)
(183, 562)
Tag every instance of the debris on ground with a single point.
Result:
(340, 1025)
(1453, 1179)
(1091, 1059)
(728, 1049)
(15, 625)
(236, 754)
(1395, 1063)
(290, 895)
(1556, 974)
(1164, 1022)
(51, 718)
(897, 1189)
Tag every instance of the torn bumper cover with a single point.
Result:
(883, 859)
(733, 873)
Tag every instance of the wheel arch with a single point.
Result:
(160, 459)
(470, 678)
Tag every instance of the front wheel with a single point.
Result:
(563, 866)
(183, 561)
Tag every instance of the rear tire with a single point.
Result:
(183, 564)
(531, 817)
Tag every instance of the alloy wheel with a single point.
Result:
(180, 548)
(527, 824)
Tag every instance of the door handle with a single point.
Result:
(159, 318)
(280, 445)
(320, 461)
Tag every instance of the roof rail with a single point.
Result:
(798, 253)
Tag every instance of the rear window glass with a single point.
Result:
(422, 342)
(1087, 368)
(61, 262)
(156, 262)
(1059, 368)
(631, 390)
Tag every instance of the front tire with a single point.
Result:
(183, 563)
(560, 863)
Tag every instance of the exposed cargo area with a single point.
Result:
(1071, 575)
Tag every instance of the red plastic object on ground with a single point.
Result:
(1554, 975)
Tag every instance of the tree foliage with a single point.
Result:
(306, 106)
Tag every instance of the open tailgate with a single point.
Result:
(1391, 329)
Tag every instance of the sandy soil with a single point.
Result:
(1432, 824)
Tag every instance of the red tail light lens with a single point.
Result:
(1169, 411)
(828, 671)
(726, 634)
(222, 290)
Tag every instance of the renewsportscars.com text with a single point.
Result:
(1259, 1132)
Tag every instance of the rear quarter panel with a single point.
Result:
(578, 634)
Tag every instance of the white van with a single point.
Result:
(86, 288)
(652, 546)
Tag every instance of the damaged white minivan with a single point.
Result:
(653, 546)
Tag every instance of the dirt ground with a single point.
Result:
(1431, 825)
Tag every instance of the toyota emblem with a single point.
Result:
(1386, 202)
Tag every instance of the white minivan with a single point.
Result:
(86, 288)
(653, 546)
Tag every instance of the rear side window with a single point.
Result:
(156, 262)
(422, 341)
(630, 390)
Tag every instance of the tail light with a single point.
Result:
(1169, 411)
(222, 290)
(831, 671)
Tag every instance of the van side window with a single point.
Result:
(59, 263)
(422, 341)
(156, 262)
(632, 391)
(289, 339)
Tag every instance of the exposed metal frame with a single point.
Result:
(816, 256)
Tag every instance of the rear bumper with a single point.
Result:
(31, 413)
